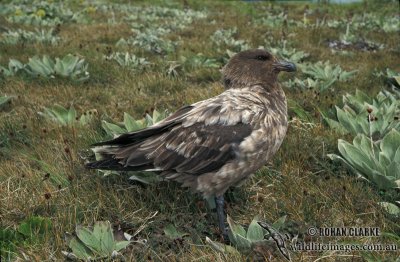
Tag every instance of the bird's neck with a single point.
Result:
(272, 96)
(268, 84)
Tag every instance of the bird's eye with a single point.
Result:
(262, 57)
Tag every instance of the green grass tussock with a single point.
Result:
(43, 183)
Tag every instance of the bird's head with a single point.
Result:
(255, 66)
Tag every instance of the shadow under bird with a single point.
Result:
(215, 143)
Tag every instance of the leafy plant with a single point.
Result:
(198, 61)
(359, 101)
(290, 54)
(34, 227)
(378, 162)
(348, 37)
(152, 23)
(31, 229)
(22, 36)
(150, 39)
(130, 124)
(14, 66)
(222, 248)
(68, 117)
(373, 117)
(157, 17)
(129, 60)
(391, 77)
(225, 37)
(69, 66)
(44, 13)
(4, 100)
(242, 239)
(246, 241)
(389, 24)
(274, 21)
(305, 84)
(171, 232)
(173, 68)
(391, 208)
(8, 239)
(34, 19)
(326, 73)
(96, 243)
(366, 21)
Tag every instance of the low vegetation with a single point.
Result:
(79, 72)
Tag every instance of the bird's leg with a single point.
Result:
(219, 201)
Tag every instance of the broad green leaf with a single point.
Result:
(390, 208)
(69, 63)
(335, 157)
(89, 239)
(255, 231)
(354, 156)
(15, 65)
(278, 224)
(35, 68)
(59, 68)
(149, 120)
(156, 116)
(112, 129)
(131, 124)
(346, 121)
(48, 62)
(242, 242)
(59, 114)
(103, 232)
(365, 145)
(390, 143)
(397, 155)
(236, 228)
(80, 250)
(393, 169)
(225, 249)
(397, 79)
(121, 245)
(71, 115)
(383, 160)
(361, 96)
(382, 181)
(96, 243)
(171, 232)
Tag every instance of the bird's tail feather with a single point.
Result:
(106, 164)
(106, 160)
(114, 164)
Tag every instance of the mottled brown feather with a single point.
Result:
(216, 143)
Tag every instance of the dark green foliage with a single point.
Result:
(31, 230)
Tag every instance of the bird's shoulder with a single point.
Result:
(231, 107)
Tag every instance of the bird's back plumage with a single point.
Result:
(210, 145)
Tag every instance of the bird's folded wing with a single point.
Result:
(195, 140)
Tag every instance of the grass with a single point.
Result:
(300, 181)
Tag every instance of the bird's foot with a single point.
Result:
(225, 237)
(221, 219)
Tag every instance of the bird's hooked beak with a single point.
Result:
(284, 66)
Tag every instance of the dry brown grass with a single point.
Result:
(300, 182)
